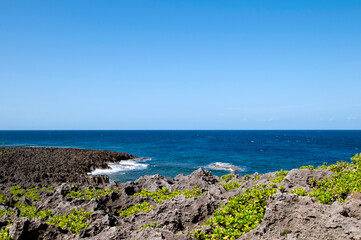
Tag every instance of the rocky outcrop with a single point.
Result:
(306, 218)
(32, 166)
(287, 216)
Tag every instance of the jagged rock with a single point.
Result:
(47, 166)
(301, 178)
(304, 217)
(307, 219)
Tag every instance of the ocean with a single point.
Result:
(170, 153)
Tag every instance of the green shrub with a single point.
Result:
(153, 225)
(4, 234)
(17, 192)
(3, 198)
(299, 191)
(347, 180)
(32, 194)
(227, 177)
(231, 185)
(280, 176)
(2, 212)
(90, 193)
(240, 215)
(307, 167)
(31, 212)
(137, 208)
(75, 221)
(164, 193)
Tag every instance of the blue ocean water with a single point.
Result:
(173, 152)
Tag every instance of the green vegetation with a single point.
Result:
(299, 191)
(307, 167)
(31, 212)
(285, 232)
(4, 210)
(164, 193)
(240, 215)
(17, 192)
(153, 225)
(231, 185)
(137, 208)
(3, 198)
(75, 221)
(31, 194)
(227, 177)
(89, 193)
(280, 176)
(4, 234)
(345, 181)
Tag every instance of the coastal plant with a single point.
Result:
(227, 177)
(308, 167)
(299, 191)
(75, 221)
(164, 193)
(240, 215)
(280, 176)
(17, 192)
(31, 194)
(231, 185)
(89, 193)
(4, 234)
(3, 198)
(137, 208)
(346, 180)
(31, 212)
(153, 225)
(4, 210)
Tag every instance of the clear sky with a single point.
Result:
(180, 64)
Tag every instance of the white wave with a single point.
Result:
(224, 166)
(125, 165)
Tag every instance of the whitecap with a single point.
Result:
(125, 165)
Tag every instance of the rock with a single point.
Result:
(47, 166)
(307, 219)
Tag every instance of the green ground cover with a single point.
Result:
(164, 193)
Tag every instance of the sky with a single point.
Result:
(119, 65)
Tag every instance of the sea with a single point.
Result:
(170, 153)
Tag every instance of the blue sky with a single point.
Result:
(180, 65)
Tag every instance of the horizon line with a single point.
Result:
(180, 129)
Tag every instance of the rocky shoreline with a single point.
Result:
(173, 208)
(38, 166)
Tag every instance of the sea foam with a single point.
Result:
(125, 165)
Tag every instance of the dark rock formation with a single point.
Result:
(32, 166)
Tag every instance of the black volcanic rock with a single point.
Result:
(32, 166)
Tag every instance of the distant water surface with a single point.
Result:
(170, 153)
